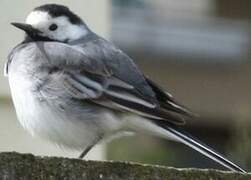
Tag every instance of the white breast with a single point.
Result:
(23, 100)
(42, 120)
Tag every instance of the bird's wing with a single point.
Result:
(167, 101)
(125, 69)
(73, 74)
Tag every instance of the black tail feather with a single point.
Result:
(188, 140)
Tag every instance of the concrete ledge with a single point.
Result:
(15, 166)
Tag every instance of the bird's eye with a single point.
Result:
(53, 27)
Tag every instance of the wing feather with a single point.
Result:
(90, 79)
(167, 101)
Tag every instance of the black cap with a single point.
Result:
(56, 10)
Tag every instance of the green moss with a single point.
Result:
(26, 166)
(5, 100)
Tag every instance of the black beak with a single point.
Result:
(27, 28)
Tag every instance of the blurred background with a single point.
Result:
(200, 51)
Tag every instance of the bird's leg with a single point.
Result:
(82, 155)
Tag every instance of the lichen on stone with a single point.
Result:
(15, 166)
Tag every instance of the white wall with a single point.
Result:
(12, 136)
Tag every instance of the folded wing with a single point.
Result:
(82, 78)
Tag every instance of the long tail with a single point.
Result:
(186, 139)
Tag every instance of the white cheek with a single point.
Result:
(75, 32)
(70, 32)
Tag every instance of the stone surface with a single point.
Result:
(15, 166)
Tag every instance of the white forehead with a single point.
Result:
(36, 17)
(42, 18)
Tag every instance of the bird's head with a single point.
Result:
(52, 22)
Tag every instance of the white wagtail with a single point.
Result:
(75, 88)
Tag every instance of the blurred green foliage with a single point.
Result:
(240, 145)
(140, 149)
(128, 3)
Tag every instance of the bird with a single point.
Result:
(75, 88)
